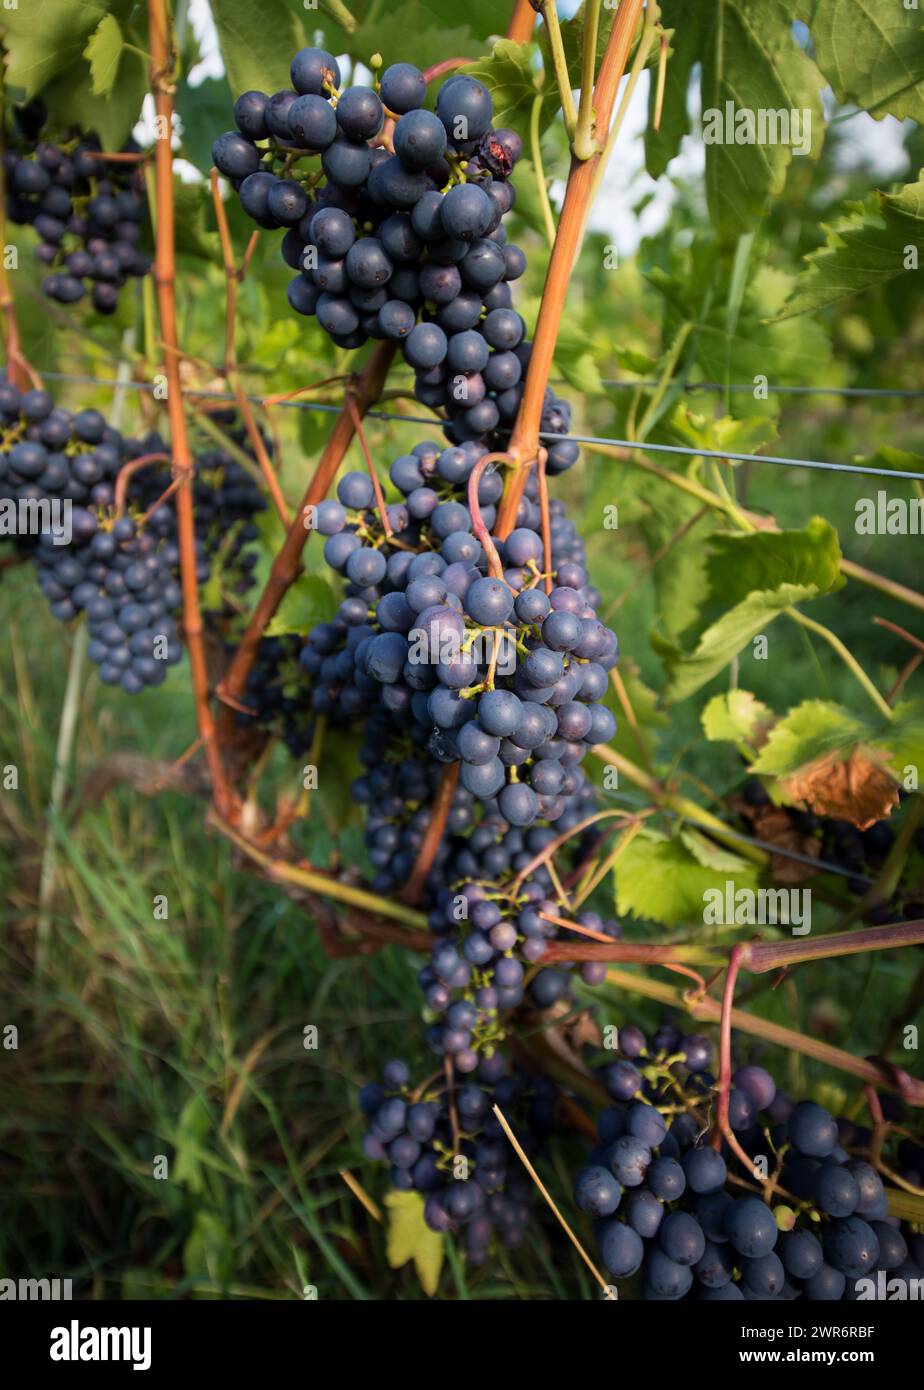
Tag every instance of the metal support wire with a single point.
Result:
(848, 391)
(819, 465)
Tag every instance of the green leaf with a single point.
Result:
(44, 37)
(410, 1238)
(575, 358)
(310, 600)
(711, 855)
(257, 43)
(887, 456)
(750, 58)
(815, 728)
(728, 636)
(879, 240)
(740, 564)
(103, 53)
(512, 80)
(872, 53)
(762, 347)
(809, 731)
(735, 717)
(738, 435)
(664, 881)
(190, 203)
(663, 144)
(205, 111)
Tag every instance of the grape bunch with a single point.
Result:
(275, 696)
(664, 1205)
(449, 1146)
(396, 238)
(120, 570)
(423, 633)
(89, 214)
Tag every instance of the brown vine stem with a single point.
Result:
(520, 28)
(286, 565)
(234, 275)
(434, 832)
(128, 472)
(18, 369)
(184, 467)
(545, 518)
(707, 1010)
(524, 442)
(722, 1129)
(479, 530)
(755, 956)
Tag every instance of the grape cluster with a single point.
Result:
(275, 698)
(663, 1204)
(89, 214)
(449, 1146)
(425, 634)
(398, 239)
(58, 473)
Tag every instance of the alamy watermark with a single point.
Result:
(758, 907)
(883, 515)
(37, 516)
(739, 125)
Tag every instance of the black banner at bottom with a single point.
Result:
(156, 1340)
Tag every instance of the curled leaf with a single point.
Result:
(858, 788)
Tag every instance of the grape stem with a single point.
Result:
(183, 462)
(439, 812)
(365, 391)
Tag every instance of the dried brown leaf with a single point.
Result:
(859, 788)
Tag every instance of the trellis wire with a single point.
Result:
(848, 391)
(818, 465)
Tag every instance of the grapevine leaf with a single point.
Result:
(740, 436)
(887, 456)
(112, 116)
(879, 239)
(47, 37)
(810, 731)
(858, 788)
(192, 239)
(766, 559)
(257, 43)
(204, 110)
(744, 47)
(662, 880)
(663, 144)
(575, 359)
(881, 67)
(815, 728)
(310, 600)
(103, 52)
(735, 717)
(410, 1238)
(726, 637)
(711, 855)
